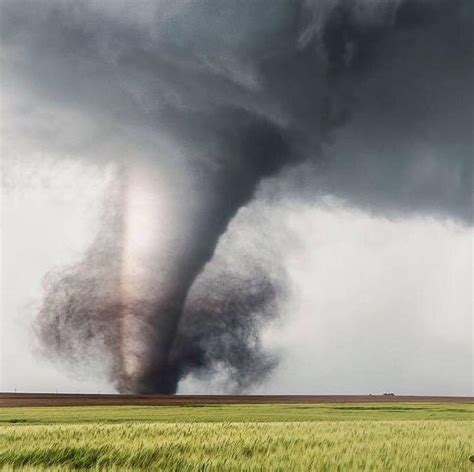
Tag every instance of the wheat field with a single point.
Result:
(101, 439)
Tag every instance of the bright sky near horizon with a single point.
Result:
(376, 304)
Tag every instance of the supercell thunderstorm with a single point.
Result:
(234, 93)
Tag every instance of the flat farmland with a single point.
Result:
(74, 399)
(389, 435)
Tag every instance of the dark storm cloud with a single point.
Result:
(408, 146)
(396, 73)
(376, 93)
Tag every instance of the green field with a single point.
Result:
(343, 437)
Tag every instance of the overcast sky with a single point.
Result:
(376, 305)
(270, 197)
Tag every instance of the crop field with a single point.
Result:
(266, 437)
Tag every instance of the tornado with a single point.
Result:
(186, 246)
(195, 105)
(161, 241)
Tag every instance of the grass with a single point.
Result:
(385, 437)
(237, 413)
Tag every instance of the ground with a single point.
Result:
(389, 436)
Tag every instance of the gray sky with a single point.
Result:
(299, 189)
(376, 304)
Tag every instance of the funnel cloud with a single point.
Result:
(199, 106)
